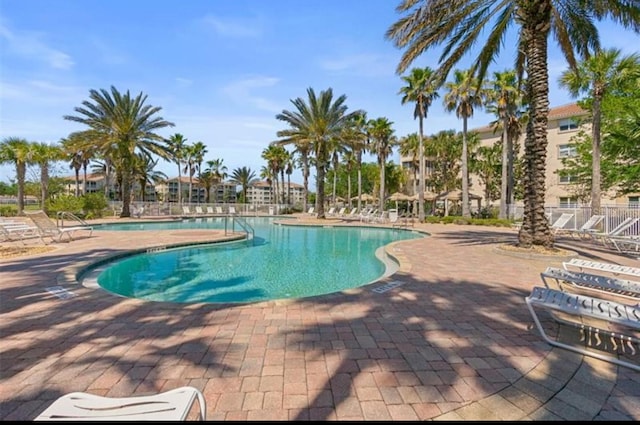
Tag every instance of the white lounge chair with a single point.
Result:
(588, 228)
(48, 228)
(558, 225)
(210, 210)
(199, 210)
(186, 210)
(232, 210)
(17, 231)
(219, 210)
(172, 405)
(605, 237)
(137, 211)
(614, 269)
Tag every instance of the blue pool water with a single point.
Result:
(284, 262)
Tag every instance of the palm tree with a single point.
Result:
(218, 170)
(422, 88)
(382, 140)
(349, 162)
(463, 95)
(79, 149)
(190, 165)
(504, 99)
(410, 146)
(126, 123)
(17, 151)
(595, 75)
(44, 154)
(458, 24)
(356, 138)
(317, 121)
(243, 177)
(199, 150)
(177, 145)
(145, 173)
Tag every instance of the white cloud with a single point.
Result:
(30, 46)
(241, 92)
(365, 64)
(229, 27)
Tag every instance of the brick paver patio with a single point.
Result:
(451, 339)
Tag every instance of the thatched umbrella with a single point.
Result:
(399, 196)
(456, 195)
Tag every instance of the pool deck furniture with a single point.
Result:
(558, 226)
(47, 228)
(602, 285)
(172, 405)
(596, 320)
(605, 237)
(11, 231)
(615, 269)
(588, 228)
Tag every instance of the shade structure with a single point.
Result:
(364, 197)
(428, 196)
(456, 195)
(399, 196)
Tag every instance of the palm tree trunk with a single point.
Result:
(504, 181)
(77, 171)
(21, 171)
(535, 15)
(595, 162)
(381, 163)
(421, 166)
(510, 176)
(179, 185)
(44, 184)
(466, 212)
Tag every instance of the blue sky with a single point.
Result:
(220, 70)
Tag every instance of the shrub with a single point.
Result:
(94, 205)
(67, 203)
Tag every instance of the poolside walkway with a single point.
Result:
(448, 337)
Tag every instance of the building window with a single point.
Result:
(567, 179)
(568, 202)
(634, 201)
(567, 151)
(567, 124)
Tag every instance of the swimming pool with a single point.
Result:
(284, 262)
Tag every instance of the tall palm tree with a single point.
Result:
(504, 95)
(382, 139)
(79, 148)
(44, 154)
(317, 121)
(218, 171)
(126, 123)
(463, 95)
(458, 26)
(595, 75)
(349, 162)
(144, 173)
(177, 145)
(356, 138)
(243, 177)
(17, 151)
(289, 166)
(190, 165)
(199, 150)
(422, 88)
(410, 146)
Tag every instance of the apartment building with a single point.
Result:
(564, 122)
(261, 193)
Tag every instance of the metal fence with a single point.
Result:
(613, 216)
